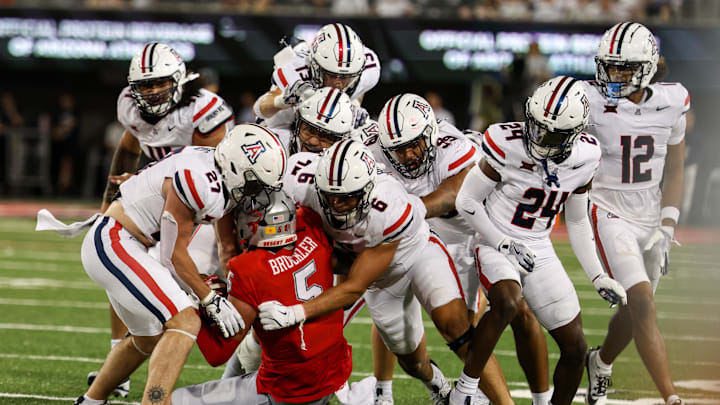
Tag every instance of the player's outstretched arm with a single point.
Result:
(442, 200)
(367, 267)
(125, 160)
(583, 244)
(225, 235)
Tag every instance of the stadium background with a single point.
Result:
(63, 64)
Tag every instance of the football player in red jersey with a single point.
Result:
(289, 260)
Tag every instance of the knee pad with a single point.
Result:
(456, 344)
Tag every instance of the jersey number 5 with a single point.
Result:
(632, 165)
(304, 292)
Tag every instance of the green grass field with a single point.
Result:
(54, 328)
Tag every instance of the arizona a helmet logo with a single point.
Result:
(369, 162)
(424, 108)
(253, 151)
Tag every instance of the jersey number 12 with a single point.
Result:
(631, 170)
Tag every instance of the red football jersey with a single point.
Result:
(305, 363)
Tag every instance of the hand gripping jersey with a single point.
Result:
(634, 140)
(524, 205)
(206, 113)
(454, 152)
(306, 362)
(298, 69)
(196, 181)
(394, 215)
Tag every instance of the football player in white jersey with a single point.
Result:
(398, 264)
(163, 108)
(430, 158)
(641, 129)
(320, 120)
(161, 205)
(528, 172)
(336, 58)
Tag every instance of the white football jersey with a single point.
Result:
(196, 181)
(206, 112)
(299, 69)
(524, 205)
(634, 140)
(394, 215)
(454, 152)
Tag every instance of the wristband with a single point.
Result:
(208, 298)
(670, 212)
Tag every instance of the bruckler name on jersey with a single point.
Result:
(302, 250)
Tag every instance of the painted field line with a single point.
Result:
(40, 255)
(663, 298)
(41, 283)
(21, 266)
(46, 398)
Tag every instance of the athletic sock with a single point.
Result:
(541, 398)
(384, 388)
(467, 385)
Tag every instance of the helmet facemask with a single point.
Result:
(271, 223)
(421, 164)
(615, 86)
(318, 74)
(323, 136)
(543, 143)
(253, 193)
(352, 215)
(153, 103)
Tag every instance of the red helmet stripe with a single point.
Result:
(387, 117)
(277, 142)
(552, 98)
(340, 45)
(142, 63)
(325, 103)
(332, 165)
(612, 43)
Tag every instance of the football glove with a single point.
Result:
(610, 290)
(222, 312)
(217, 284)
(295, 93)
(274, 315)
(519, 252)
(658, 250)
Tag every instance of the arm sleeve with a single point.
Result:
(469, 202)
(581, 235)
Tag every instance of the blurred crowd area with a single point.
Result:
(536, 10)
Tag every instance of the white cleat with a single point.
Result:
(380, 400)
(439, 393)
(122, 390)
(458, 398)
(598, 379)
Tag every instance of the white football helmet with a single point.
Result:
(628, 46)
(251, 160)
(336, 50)
(157, 62)
(404, 121)
(346, 171)
(272, 226)
(555, 114)
(328, 112)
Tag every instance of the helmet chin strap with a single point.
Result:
(551, 178)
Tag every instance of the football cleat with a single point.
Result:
(439, 393)
(598, 379)
(122, 390)
(380, 400)
(81, 400)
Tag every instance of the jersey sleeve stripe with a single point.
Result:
(205, 109)
(399, 222)
(454, 165)
(179, 187)
(282, 78)
(687, 100)
(193, 190)
(492, 144)
(487, 152)
(437, 241)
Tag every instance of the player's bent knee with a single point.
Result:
(144, 344)
(459, 342)
(186, 320)
(506, 310)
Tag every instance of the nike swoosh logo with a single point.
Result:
(578, 166)
(661, 108)
(171, 128)
(471, 213)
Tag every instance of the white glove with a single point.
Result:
(361, 115)
(610, 290)
(659, 246)
(518, 251)
(274, 315)
(220, 310)
(297, 92)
